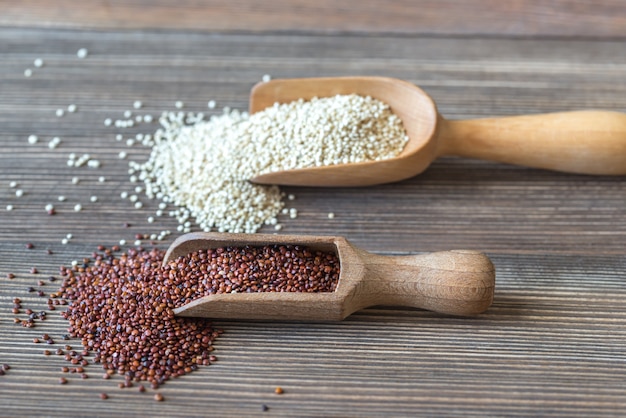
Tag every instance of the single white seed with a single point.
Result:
(159, 212)
(150, 219)
(38, 62)
(93, 199)
(153, 237)
(33, 139)
(102, 179)
(28, 72)
(122, 242)
(133, 179)
(13, 184)
(138, 118)
(138, 205)
(278, 227)
(130, 142)
(128, 113)
(291, 197)
(124, 195)
(78, 207)
(93, 164)
(162, 205)
(122, 155)
(69, 236)
(75, 180)
(108, 122)
(71, 108)
(61, 198)
(119, 137)
(9, 207)
(211, 104)
(74, 263)
(179, 104)
(82, 53)
(49, 207)
(137, 243)
(331, 215)
(19, 193)
(147, 118)
(266, 78)
(137, 104)
(60, 112)
(64, 241)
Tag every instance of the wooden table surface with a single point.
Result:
(552, 344)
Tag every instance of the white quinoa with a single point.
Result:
(204, 168)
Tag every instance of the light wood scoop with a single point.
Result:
(586, 142)
(449, 282)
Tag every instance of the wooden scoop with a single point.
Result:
(586, 142)
(450, 282)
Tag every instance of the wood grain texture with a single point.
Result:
(553, 342)
(577, 18)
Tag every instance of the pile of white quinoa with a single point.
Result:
(204, 167)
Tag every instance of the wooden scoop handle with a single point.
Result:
(586, 142)
(451, 282)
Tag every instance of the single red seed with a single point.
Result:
(104, 396)
(62, 380)
(158, 397)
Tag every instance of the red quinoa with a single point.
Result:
(121, 306)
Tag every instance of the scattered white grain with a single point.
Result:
(38, 62)
(150, 219)
(72, 108)
(102, 179)
(54, 142)
(137, 243)
(331, 215)
(93, 199)
(19, 193)
(9, 208)
(108, 122)
(124, 195)
(138, 189)
(69, 236)
(211, 104)
(147, 118)
(122, 155)
(133, 198)
(130, 142)
(61, 198)
(133, 179)
(128, 113)
(78, 207)
(278, 227)
(179, 104)
(119, 137)
(122, 242)
(28, 72)
(93, 164)
(291, 197)
(266, 78)
(13, 184)
(64, 241)
(33, 139)
(75, 180)
(159, 212)
(82, 53)
(60, 112)
(49, 207)
(137, 104)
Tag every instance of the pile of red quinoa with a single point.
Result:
(121, 306)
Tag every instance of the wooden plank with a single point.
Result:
(586, 18)
(553, 342)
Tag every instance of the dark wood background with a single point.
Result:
(552, 344)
